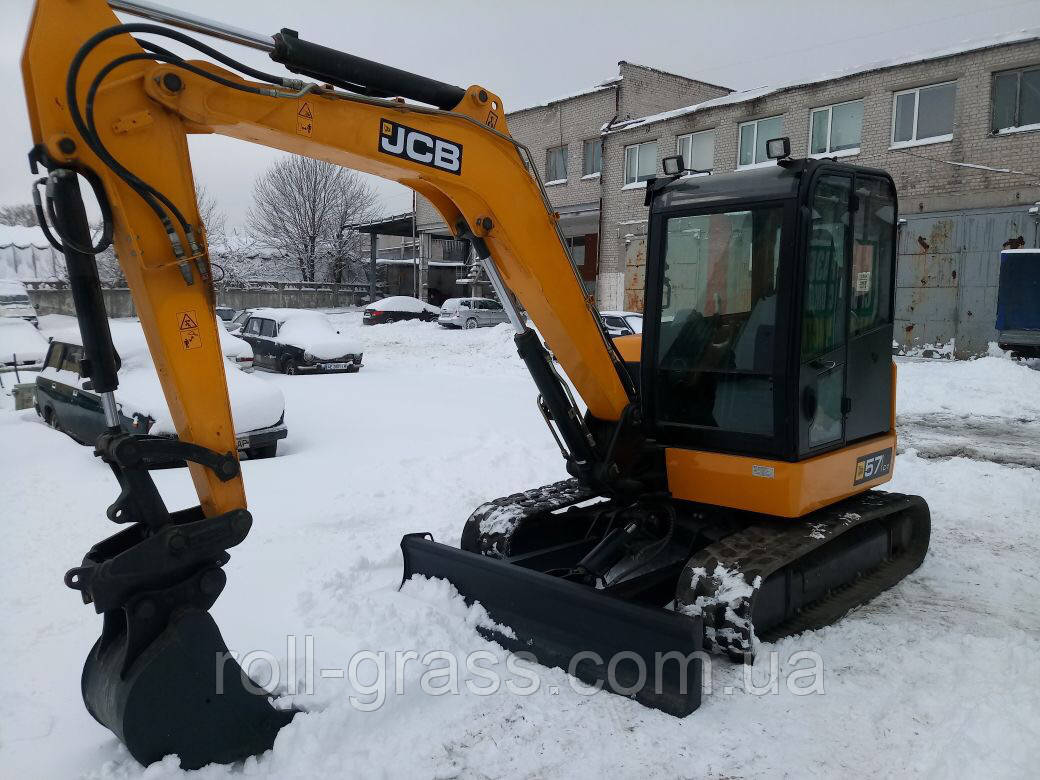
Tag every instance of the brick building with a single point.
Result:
(959, 130)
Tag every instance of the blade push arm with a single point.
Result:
(463, 161)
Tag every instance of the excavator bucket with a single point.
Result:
(650, 654)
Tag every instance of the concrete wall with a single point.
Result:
(119, 303)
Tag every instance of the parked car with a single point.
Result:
(471, 313)
(235, 349)
(66, 403)
(622, 323)
(399, 307)
(239, 320)
(299, 341)
(20, 341)
(226, 313)
(14, 301)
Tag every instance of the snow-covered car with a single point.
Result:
(20, 343)
(299, 341)
(65, 402)
(238, 321)
(225, 313)
(14, 301)
(399, 307)
(471, 313)
(235, 349)
(622, 323)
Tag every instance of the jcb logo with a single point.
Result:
(873, 466)
(420, 147)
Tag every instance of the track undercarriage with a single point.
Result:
(715, 579)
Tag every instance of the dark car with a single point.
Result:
(226, 313)
(397, 308)
(67, 403)
(298, 341)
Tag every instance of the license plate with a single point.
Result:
(335, 366)
(242, 442)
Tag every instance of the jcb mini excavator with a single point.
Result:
(722, 470)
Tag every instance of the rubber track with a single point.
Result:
(725, 599)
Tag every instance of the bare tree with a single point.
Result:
(18, 214)
(214, 219)
(302, 212)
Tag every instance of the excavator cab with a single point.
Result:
(768, 318)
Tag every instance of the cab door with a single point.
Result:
(824, 342)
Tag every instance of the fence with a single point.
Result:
(56, 297)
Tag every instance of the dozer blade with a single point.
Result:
(652, 655)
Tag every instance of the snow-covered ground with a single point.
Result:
(937, 677)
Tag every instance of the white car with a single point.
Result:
(235, 349)
(622, 323)
(20, 343)
(62, 400)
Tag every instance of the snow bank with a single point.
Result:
(19, 337)
(403, 303)
(990, 386)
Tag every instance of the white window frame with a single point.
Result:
(830, 124)
(754, 142)
(1018, 101)
(678, 148)
(566, 173)
(915, 141)
(637, 183)
(584, 143)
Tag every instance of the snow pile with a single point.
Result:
(19, 338)
(232, 346)
(986, 386)
(403, 303)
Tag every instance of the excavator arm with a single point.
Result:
(142, 110)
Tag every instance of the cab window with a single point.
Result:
(718, 320)
(871, 256)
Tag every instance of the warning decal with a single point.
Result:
(304, 119)
(188, 324)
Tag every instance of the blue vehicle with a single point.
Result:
(1018, 302)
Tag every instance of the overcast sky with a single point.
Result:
(535, 49)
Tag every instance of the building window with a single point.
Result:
(640, 162)
(753, 137)
(836, 130)
(1016, 100)
(697, 150)
(556, 164)
(923, 115)
(592, 157)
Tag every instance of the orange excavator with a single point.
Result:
(722, 466)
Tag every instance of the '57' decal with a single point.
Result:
(873, 466)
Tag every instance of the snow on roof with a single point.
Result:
(12, 287)
(22, 236)
(402, 303)
(743, 96)
(283, 315)
(608, 84)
